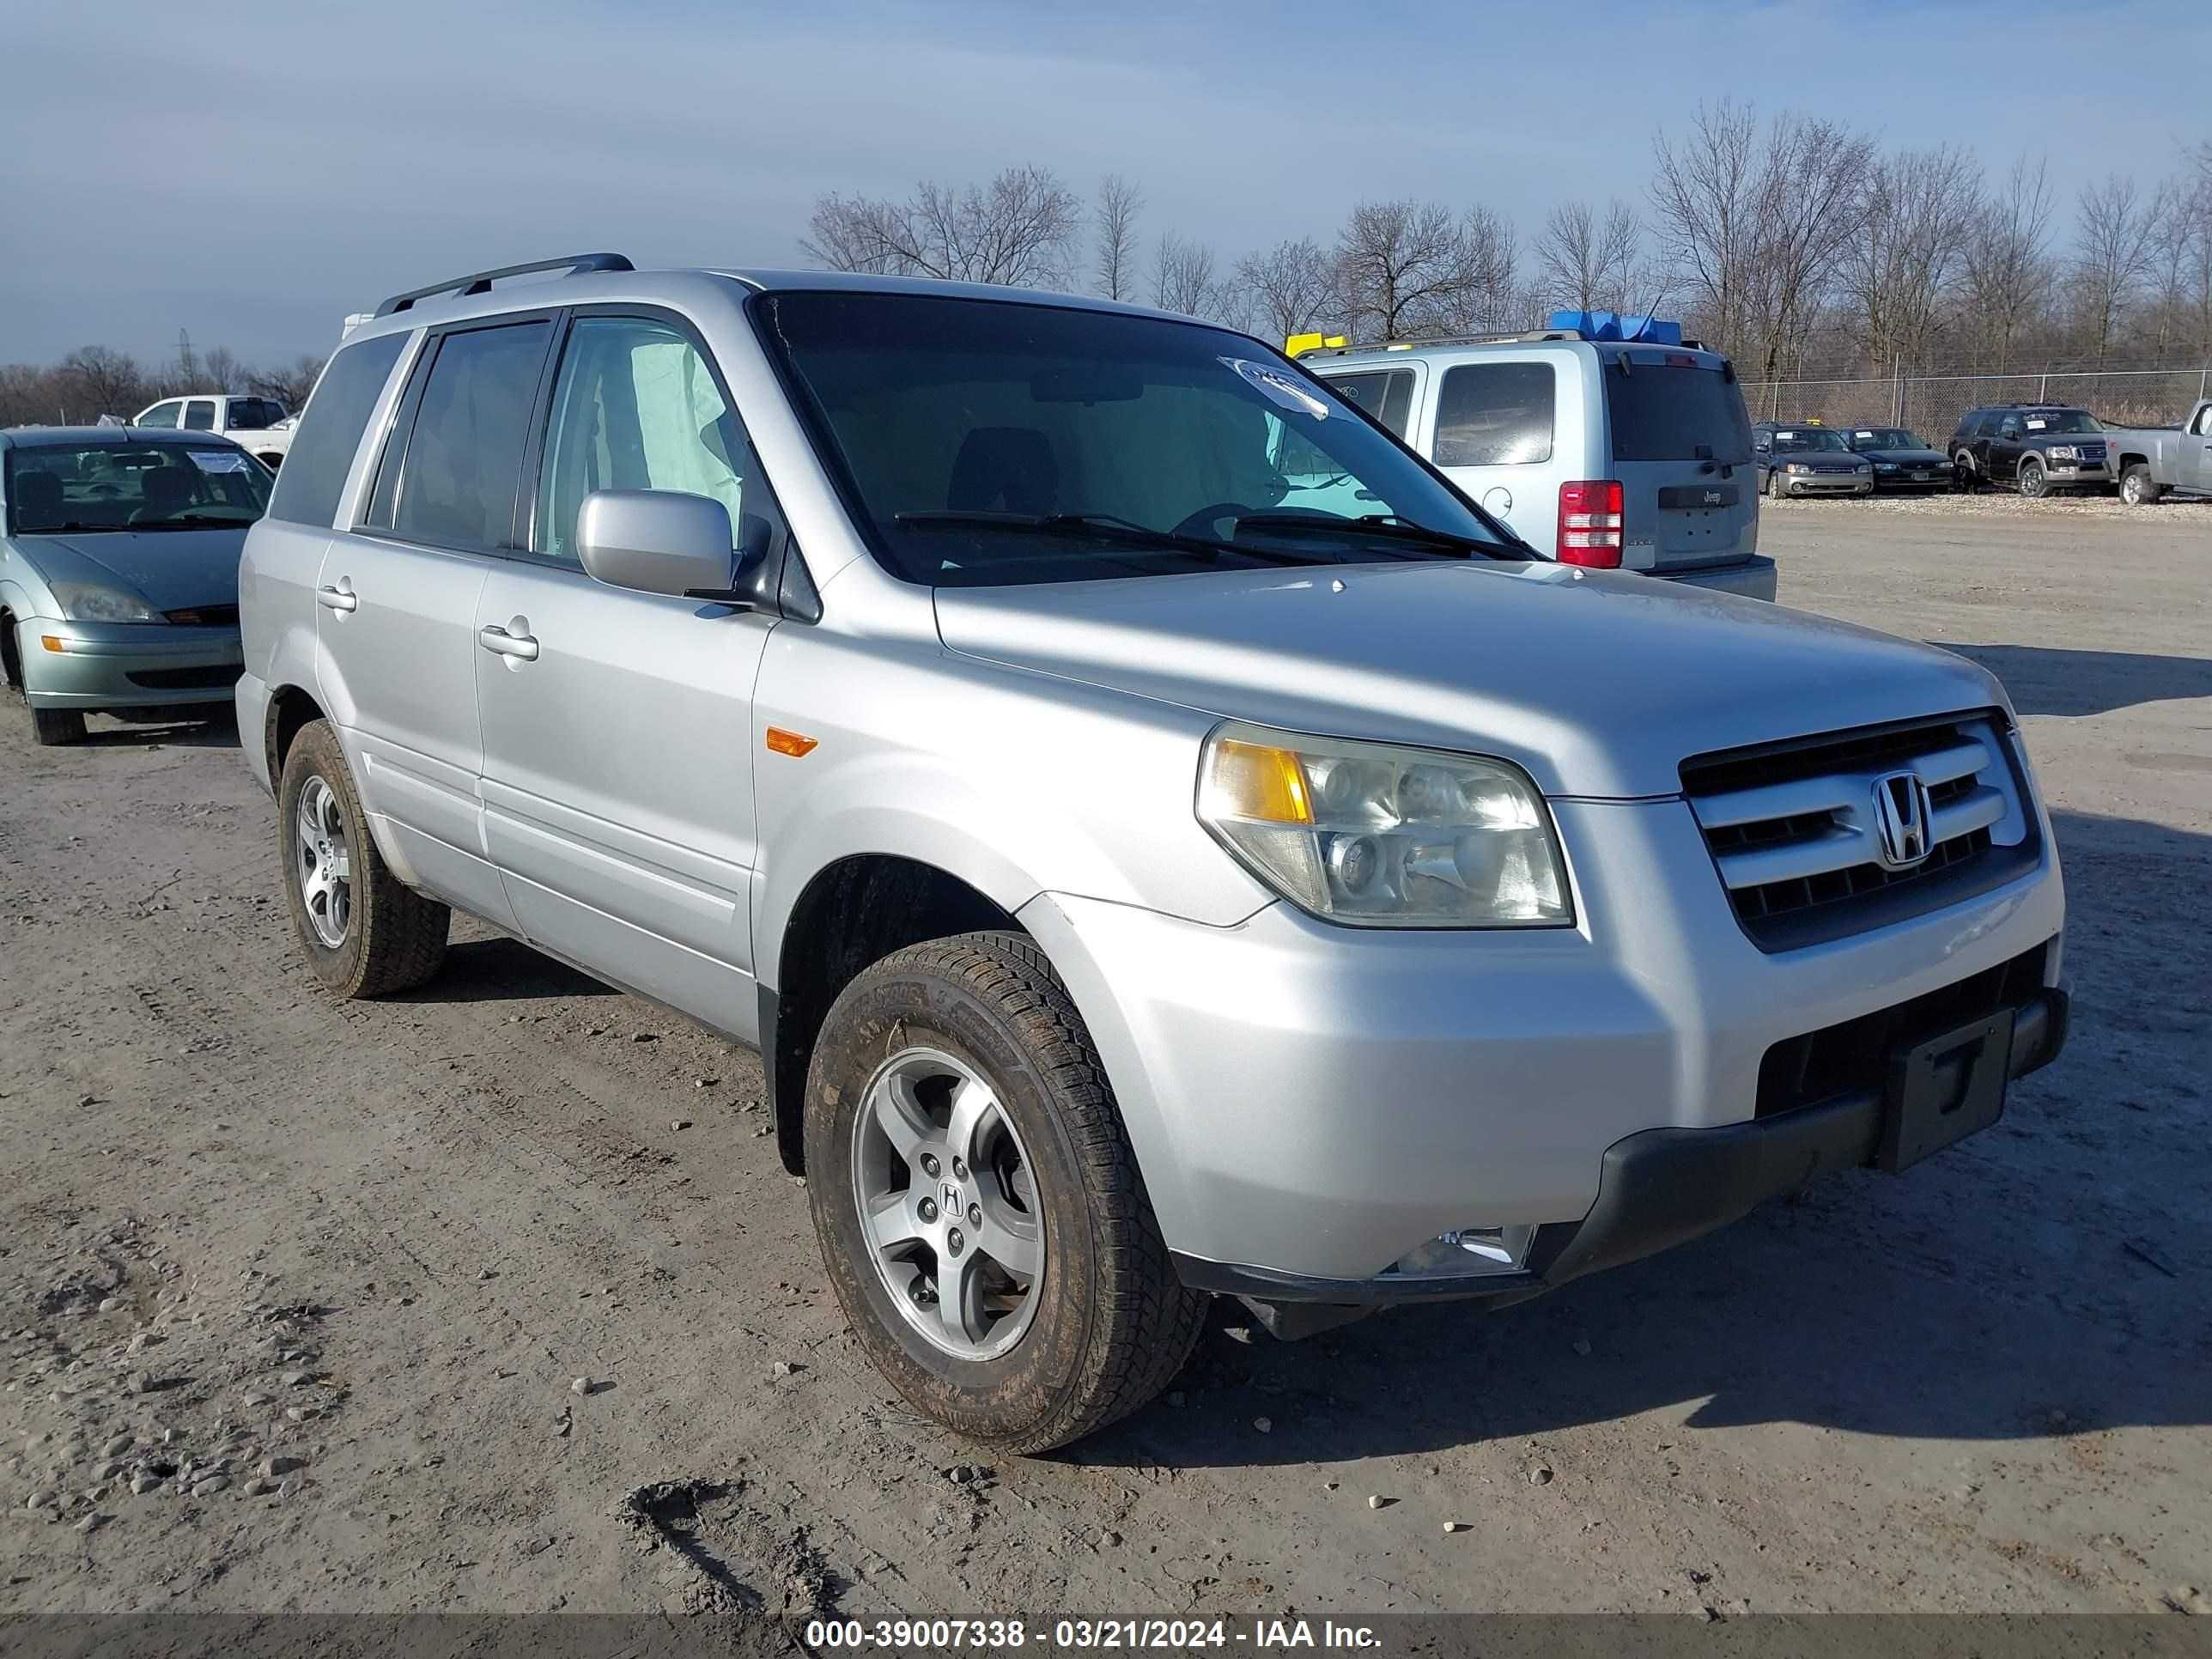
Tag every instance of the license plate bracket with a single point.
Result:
(1944, 1089)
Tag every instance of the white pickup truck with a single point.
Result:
(260, 426)
(2155, 461)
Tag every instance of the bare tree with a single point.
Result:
(289, 385)
(2114, 253)
(1911, 254)
(1590, 260)
(100, 380)
(1399, 263)
(2007, 267)
(1289, 289)
(1758, 215)
(1182, 277)
(1115, 221)
(1019, 229)
(1488, 296)
(222, 370)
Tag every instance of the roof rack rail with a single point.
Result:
(572, 264)
(1446, 340)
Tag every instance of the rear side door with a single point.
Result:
(618, 783)
(1681, 447)
(1504, 429)
(399, 595)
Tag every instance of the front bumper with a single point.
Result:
(1815, 483)
(125, 665)
(1937, 475)
(2071, 474)
(1310, 1104)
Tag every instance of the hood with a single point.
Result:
(1597, 683)
(172, 569)
(1908, 457)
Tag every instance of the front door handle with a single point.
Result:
(338, 598)
(496, 639)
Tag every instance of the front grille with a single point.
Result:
(1792, 832)
(1802, 1071)
(205, 616)
(224, 675)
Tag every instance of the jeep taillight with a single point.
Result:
(1590, 523)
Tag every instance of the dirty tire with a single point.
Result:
(2034, 482)
(397, 937)
(1964, 475)
(1114, 1324)
(53, 726)
(2138, 488)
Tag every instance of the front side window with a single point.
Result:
(463, 458)
(329, 430)
(982, 442)
(1496, 414)
(635, 407)
(200, 415)
(161, 415)
(133, 487)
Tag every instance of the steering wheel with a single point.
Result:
(1205, 518)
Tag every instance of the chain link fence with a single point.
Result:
(1931, 403)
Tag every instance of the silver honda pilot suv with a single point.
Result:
(1138, 887)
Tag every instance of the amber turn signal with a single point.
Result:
(790, 743)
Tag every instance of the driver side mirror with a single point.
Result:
(666, 541)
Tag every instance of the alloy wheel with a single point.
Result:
(325, 863)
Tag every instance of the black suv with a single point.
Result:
(2038, 446)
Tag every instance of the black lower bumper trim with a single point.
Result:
(1656, 1188)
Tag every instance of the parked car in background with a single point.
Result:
(2157, 461)
(1162, 839)
(2037, 447)
(1900, 459)
(118, 574)
(258, 425)
(1602, 453)
(1806, 458)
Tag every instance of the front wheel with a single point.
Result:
(2033, 483)
(1963, 475)
(2138, 488)
(1774, 485)
(51, 728)
(977, 1203)
(365, 932)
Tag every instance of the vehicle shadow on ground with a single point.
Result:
(503, 970)
(184, 732)
(2041, 680)
(2045, 1278)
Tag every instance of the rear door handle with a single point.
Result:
(496, 639)
(338, 598)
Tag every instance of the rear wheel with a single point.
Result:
(2033, 482)
(365, 932)
(54, 726)
(977, 1203)
(2138, 488)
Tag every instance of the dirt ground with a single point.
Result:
(493, 1296)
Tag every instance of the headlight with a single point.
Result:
(1797, 466)
(1884, 466)
(2061, 451)
(1375, 835)
(96, 602)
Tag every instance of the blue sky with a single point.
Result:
(251, 173)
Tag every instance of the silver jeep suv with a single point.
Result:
(1137, 887)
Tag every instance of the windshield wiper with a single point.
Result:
(1098, 527)
(67, 527)
(192, 521)
(1386, 525)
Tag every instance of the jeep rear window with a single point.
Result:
(1662, 412)
(330, 431)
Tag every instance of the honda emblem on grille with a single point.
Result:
(1901, 819)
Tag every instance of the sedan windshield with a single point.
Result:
(1885, 437)
(1799, 440)
(986, 442)
(58, 490)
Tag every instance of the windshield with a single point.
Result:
(2061, 420)
(1885, 437)
(1800, 440)
(131, 486)
(985, 443)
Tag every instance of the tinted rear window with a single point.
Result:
(1662, 413)
(465, 454)
(1496, 414)
(1389, 396)
(330, 431)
